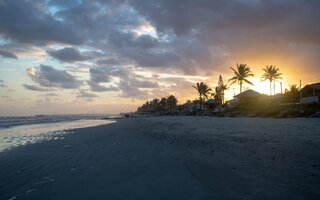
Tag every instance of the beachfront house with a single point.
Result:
(211, 104)
(191, 107)
(310, 93)
(247, 98)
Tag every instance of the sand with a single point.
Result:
(170, 158)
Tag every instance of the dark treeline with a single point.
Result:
(165, 104)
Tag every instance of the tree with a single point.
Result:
(155, 104)
(163, 103)
(293, 95)
(172, 103)
(217, 95)
(203, 90)
(220, 89)
(272, 74)
(241, 75)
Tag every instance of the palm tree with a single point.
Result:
(241, 75)
(272, 74)
(203, 90)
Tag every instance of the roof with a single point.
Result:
(249, 93)
(210, 101)
(233, 100)
(313, 86)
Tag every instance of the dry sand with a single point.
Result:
(170, 158)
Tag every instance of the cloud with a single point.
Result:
(36, 88)
(48, 76)
(7, 54)
(30, 22)
(129, 82)
(85, 94)
(6, 98)
(96, 87)
(129, 91)
(109, 61)
(68, 54)
(63, 3)
(99, 76)
(52, 94)
(131, 40)
(135, 82)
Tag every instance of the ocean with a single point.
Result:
(17, 131)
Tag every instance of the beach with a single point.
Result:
(170, 157)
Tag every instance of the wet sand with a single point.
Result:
(170, 158)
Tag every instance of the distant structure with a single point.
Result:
(248, 97)
(310, 93)
(211, 104)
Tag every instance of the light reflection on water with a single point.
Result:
(29, 134)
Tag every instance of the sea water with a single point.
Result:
(17, 131)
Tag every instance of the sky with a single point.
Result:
(110, 56)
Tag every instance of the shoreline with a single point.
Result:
(170, 157)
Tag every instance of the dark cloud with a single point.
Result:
(47, 76)
(99, 75)
(129, 82)
(218, 15)
(7, 54)
(30, 22)
(109, 61)
(86, 94)
(237, 29)
(63, 3)
(69, 55)
(36, 88)
(131, 40)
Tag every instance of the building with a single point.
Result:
(191, 107)
(211, 104)
(310, 93)
(248, 97)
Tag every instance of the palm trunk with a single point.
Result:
(270, 87)
(222, 98)
(240, 86)
(274, 87)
